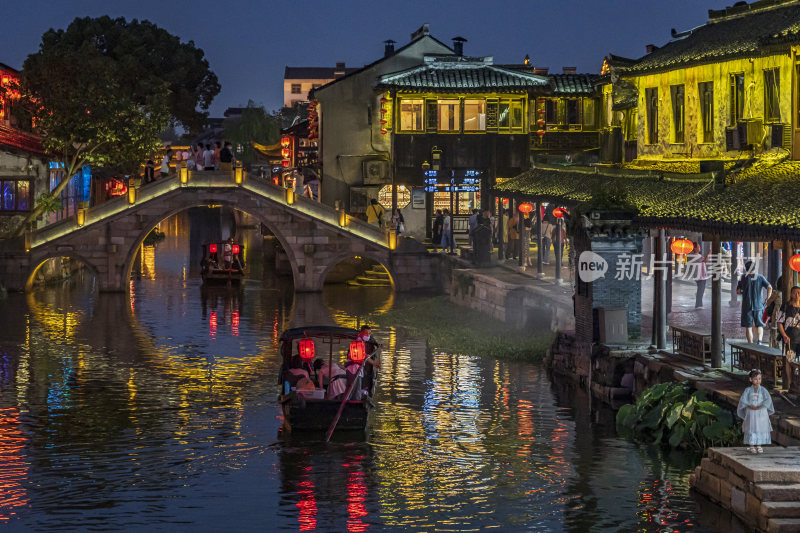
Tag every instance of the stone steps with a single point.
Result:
(376, 276)
(763, 490)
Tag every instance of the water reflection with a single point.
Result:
(159, 412)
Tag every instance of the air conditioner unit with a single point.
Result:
(780, 135)
(751, 132)
(375, 172)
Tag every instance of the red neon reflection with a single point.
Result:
(235, 323)
(212, 325)
(356, 497)
(13, 469)
(308, 506)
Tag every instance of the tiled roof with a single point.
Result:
(314, 73)
(462, 74)
(735, 32)
(19, 139)
(572, 84)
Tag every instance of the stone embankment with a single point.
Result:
(762, 490)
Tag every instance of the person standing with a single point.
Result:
(311, 187)
(473, 223)
(226, 158)
(217, 151)
(198, 156)
(436, 234)
(698, 260)
(750, 287)
(482, 240)
(208, 158)
(755, 408)
(513, 236)
(398, 222)
(773, 307)
(149, 171)
(165, 163)
(788, 321)
(375, 213)
(447, 232)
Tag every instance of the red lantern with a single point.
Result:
(794, 262)
(541, 122)
(357, 352)
(384, 100)
(525, 208)
(306, 349)
(383, 111)
(681, 246)
(541, 133)
(235, 249)
(384, 132)
(559, 212)
(212, 248)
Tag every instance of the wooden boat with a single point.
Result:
(222, 263)
(313, 410)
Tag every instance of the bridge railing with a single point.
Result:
(213, 180)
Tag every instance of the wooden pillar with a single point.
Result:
(787, 271)
(734, 277)
(559, 248)
(500, 222)
(716, 310)
(521, 233)
(539, 241)
(660, 310)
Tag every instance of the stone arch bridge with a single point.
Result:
(309, 232)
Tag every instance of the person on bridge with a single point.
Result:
(375, 213)
(165, 163)
(208, 158)
(226, 158)
(750, 286)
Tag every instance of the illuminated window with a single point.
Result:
(706, 98)
(296, 88)
(589, 117)
(411, 115)
(474, 115)
(403, 196)
(511, 115)
(737, 98)
(678, 115)
(449, 115)
(15, 195)
(651, 104)
(772, 109)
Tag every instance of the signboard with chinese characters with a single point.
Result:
(418, 198)
(453, 180)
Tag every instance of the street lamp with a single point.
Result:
(184, 174)
(290, 196)
(238, 173)
(131, 191)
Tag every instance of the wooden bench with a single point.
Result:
(693, 343)
(747, 356)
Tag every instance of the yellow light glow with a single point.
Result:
(342, 218)
(131, 195)
(184, 175)
(392, 239)
(81, 217)
(238, 174)
(290, 196)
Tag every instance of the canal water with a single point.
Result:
(158, 411)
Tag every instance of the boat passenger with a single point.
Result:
(338, 378)
(227, 252)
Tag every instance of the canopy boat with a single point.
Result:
(222, 263)
(315, 406)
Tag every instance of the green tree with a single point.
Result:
(254, 125)
(104, 89)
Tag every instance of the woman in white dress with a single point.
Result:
(755, 407)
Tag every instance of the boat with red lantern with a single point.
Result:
(222, 263)
(316, 393)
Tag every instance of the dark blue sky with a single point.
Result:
(248, 43)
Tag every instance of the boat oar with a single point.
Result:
(344, 401)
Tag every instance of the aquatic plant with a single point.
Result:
(671, 414)
(457, 329)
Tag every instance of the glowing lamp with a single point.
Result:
(541, 122)
(541, 133)
(81, 217)
(184, 175)
(286, 153)
(794, 262)
(306, 349)
(235, 249)
(392, 239)
(342, 218)
(238, 174)
(558, 212)
(286, 142)
(383, 111)
(540, 111)
(212, 248)
(285, 163)
(681, 246)
(384, 121)
(384, 100)
(131, 195)
(384, 132)
(357, 352)
(290, 196)
(525, 207)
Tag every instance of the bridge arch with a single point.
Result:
(41, 260)
(153, 222)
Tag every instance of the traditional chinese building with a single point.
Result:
(701, 138)
(24, 168)
(298, 81)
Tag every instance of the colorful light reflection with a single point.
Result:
(13, 468)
